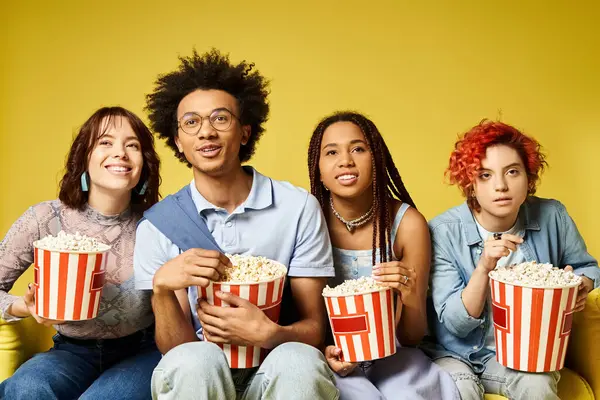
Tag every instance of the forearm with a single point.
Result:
(474, 295)
(17, 309)
(412, 324)
(172, 327)
(309, 331)
(12, 308)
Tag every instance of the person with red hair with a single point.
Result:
(497, 168)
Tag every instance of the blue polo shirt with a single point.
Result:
(278, 220)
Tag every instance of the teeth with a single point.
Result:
(346, 177)
(118, 169)
(209, 149)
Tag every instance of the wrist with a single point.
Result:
(158, 288)
(19, 309)
(273, 336)
(482, 270)
(588, 282)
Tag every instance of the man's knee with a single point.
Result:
(296, 356)
(194, 357)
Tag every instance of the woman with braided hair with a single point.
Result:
(376, 231)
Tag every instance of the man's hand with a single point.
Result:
(333, 355)
(586, 286)
(493, 250)
(242, 323)
(195, 267)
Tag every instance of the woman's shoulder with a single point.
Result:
(48, 207)
(406, 216)
(409, 223)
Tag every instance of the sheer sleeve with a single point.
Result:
(16, 255)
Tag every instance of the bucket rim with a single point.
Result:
(529, 286)
(103, 249)
(230, 283)
(383, 289)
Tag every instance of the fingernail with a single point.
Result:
(377, 277)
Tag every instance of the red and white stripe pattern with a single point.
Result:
(363, 325)
(266, 295)
(532, 326)
(68, 286)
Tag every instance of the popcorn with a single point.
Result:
(364, 284)
(68, 242)
(536, 275)
(249, 269)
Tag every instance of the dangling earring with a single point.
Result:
(85, 186)
(326, 188)
(142, 189)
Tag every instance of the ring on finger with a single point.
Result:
(405, 279)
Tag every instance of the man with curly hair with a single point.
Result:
(211, 113)
(497, 168)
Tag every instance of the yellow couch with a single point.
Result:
(581, 381)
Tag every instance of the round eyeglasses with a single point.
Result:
(220, 119)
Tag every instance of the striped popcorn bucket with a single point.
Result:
(68, 284)
(363, 324)
(266, 295)
(532, 325)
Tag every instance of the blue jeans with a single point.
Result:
(87, 369)
(497, 379)
(199, 370)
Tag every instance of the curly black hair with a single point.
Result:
(209, 71)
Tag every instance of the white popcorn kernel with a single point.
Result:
(68, 242)
(536, 275)
(364, 284)
(251, 269)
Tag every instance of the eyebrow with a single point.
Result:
(212, 112)
(108, 135)
(516, 164)
(355, 141)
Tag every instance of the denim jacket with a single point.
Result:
(550, 237)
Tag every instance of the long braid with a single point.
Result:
(381, 203)
(395, 182)
(387, 182)
(314, 150)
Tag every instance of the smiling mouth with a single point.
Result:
(120, 169)
(346, 177)
(208, 149)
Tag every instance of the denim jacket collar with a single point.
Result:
(528, 214)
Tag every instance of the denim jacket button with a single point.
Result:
(474, 347)
(478, 251)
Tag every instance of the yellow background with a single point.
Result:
(424, 73)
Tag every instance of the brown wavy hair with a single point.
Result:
(83, 144)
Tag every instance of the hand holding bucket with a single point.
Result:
(68, 284)
(363, 324)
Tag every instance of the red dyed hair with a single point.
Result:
(470, 149)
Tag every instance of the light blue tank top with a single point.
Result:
(352, 264)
